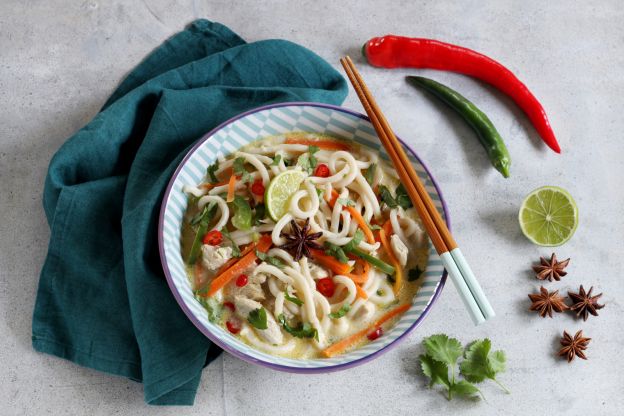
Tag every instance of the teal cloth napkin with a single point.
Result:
(103, 301)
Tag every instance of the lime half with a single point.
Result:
(281, 188)
(548, 216)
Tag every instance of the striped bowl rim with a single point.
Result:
(408, 322)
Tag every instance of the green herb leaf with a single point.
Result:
(292, 299)
(242, 213)
(402, 198)
(235, 249)
(238, 167)
(274, 261)
(212, 306)
(319, 192)
(259, 214)
(258, 318)
(288, 162)
(304, 162)
(304, 330)
(481, 363)
(346, 202)
(332, 249)
(386, 197)
(276, 160)
(380, 292)
(444, 349)
(204, 214)
(463, 388)
(437, 371)
(203, 221)
(414, 274)
(373, 227)
(355, 241)
(210, 171)
(340, 312)
(312, 150)
(369, 175)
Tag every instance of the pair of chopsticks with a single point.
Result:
(469, 289)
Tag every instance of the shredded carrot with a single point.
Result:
(398, 275)
(340, 346)
(231, 187)
(247, 260)
(361, 277)
(212, 185)
(321, 144)
(355, 215)
(330, 262)
(387, 227)
(361, 293)
(246, 249)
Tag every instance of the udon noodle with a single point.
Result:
(303, 245)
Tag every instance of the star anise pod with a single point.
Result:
(585, 303)
(551, 269)
(546, 302)
(298, 241)
(573, 346)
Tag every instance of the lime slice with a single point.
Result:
(281, 188)
(548, 216)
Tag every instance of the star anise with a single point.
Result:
(299, 242)
(573, 346)
(585, 303)
(546, 302)
(551, 269)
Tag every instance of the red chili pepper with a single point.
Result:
(230, 306)
(402, 52)
(233, 327)
(213, 238)
(241, 280)
(375, 334)
(326, 287)
(322, 171)
(258, 188)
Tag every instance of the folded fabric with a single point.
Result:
(103, 301)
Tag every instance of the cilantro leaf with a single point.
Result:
(355, 241)
(346, 202)
(304, 330)
(435, 370)
(463, 388)
(319, 192)
(212, 306)
(373, 227)
(259, 214)
(312, 158)
(414, 274)
(235, 249)
(276, 160)
(444, 349)
(238, 167)
(210, 171)
(242, 213)
(386, 197)
(340, 312)
(292, 299)
(258, 318)
(288, 162)
(369, 175)
(202, 221)
(402, 198)
(274, 261)
(332, 249)
(481, 363)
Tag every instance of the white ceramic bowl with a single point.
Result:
(232, 135)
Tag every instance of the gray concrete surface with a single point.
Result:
(60, 59)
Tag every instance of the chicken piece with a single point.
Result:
(252, 290)
(317, 272)
(273, 334)
(365, 312)
(214, 257)
(399, 248)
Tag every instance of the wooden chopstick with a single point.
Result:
(469, 289)
(390, 141)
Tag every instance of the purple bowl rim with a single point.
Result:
(233, 351)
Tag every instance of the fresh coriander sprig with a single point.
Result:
(479, 363)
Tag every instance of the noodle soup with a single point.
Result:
(303, 245)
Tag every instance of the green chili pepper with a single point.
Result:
(480, 123)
